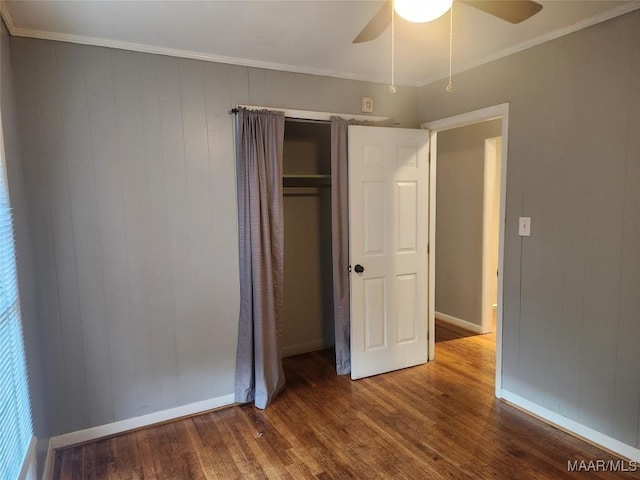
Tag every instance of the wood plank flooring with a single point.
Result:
(436, 421)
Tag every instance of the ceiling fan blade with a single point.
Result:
(513, 11)
(376, 25)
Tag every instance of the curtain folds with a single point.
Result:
(340, 243)
(340, 236)
(259, 150)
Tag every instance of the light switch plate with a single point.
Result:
(524, 227)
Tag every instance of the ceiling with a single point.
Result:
(301, 36)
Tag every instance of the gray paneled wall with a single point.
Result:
(459, 221)
(22, 231)
(130, 178)
(571, 299)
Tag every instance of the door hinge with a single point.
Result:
(428, 248)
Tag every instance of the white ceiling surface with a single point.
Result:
(301, 36)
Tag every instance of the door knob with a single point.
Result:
(359, 268)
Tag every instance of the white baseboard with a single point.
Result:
(307, 347)
(458, 322)
(572, 427)
(101, 431)
(29, 470)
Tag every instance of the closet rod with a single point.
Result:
(314, 181)
(288, 185)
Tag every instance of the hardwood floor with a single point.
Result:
(436, 421)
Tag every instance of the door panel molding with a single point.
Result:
(389, 231)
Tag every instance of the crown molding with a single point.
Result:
(172, 52)
(582, 24)
(6, 16)
(143, 48)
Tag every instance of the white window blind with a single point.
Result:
(15, 411)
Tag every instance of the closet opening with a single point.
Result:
(308, 323)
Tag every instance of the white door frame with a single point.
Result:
(497, 111)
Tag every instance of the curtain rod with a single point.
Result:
(234, 111)
(288, 119)
(307, 120)
(312, 115)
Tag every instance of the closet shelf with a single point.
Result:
(306, 180)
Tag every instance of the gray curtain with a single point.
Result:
(340, 235)
(259, 150)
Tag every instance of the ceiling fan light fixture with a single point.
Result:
(421, 11)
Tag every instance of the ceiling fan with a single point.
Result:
(513, 11)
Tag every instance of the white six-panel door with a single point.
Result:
(388, 223)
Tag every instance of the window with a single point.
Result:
(15, 412)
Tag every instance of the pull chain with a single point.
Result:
(392, 87)
(450, 85)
